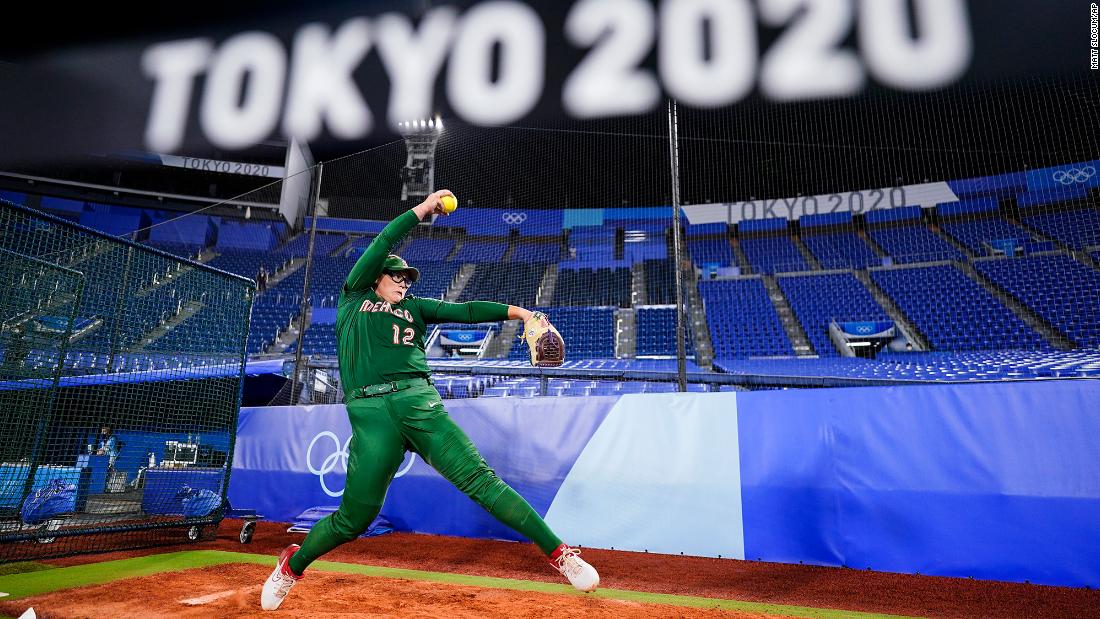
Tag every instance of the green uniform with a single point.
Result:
(382, 344)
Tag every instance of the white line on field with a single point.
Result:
(208, 598)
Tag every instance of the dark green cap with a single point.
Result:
(396, 264)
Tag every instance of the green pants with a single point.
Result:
(385, 427)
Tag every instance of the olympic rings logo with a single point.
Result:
(338, 457)
(514, 218)
(1074, 175)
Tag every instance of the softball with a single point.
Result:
(450, 203)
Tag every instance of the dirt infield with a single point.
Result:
(233, 591)
(771, 583)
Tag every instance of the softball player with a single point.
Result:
(393, 407)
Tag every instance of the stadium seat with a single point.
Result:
(773, 254)
(953, 311)
(742, 319)
(817, 300)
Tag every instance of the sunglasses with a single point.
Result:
(400, 278)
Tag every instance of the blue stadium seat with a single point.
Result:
(913, 242)
(426, 250)
(323, 245)
(481, 251)
(1076, 227)
(1057, 287)
(711, 249)
(742, 319)
(593, 287)
(840, 250)
(954, 312)
(977, 234)
(773, 254)
(656, 332)
(536, 252)
(515, 284)
(818, 300)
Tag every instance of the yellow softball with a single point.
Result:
(450, 203)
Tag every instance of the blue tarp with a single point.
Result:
(996, 481)
(992, 481)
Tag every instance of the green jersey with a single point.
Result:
(380, 342)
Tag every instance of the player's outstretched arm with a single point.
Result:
(369, 266)
(518, 313)
(470, 312)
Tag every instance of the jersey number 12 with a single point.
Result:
(407, 339)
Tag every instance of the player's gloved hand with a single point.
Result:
(543, 340)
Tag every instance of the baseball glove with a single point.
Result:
(546, 344)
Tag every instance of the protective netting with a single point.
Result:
(813, 233)
(574, 220)
(936, 235)
(121, 383)
(940, 222)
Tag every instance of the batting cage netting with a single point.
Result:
(120, 388)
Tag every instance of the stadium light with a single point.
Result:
(416, 125)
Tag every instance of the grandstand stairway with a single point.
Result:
(742, 259)
(901, 321)
(697, 328)
(1085, 258)
(546, 286)
(799, 342)
(189, 309)
(1060, 245)
(1031, 318)
(875, 247)
(287, 271)
(626, 340)
(465, 272)
(86, 253)
(966, 251)
(808, 255)
(704, 349)
(501, 344)
(342, 248)
(459, 242)
(289, 335)
(637, 284)
(163, 280)
(1035, 233)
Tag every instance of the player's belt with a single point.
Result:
(369, 391)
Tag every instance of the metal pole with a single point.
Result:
(677, 272)
(303, 307)
(114, 345)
